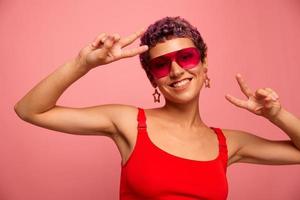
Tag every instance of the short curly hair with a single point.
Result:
(165, 28)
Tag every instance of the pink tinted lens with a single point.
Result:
(187, 58)
(160, 66)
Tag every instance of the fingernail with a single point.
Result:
(103, 39)
(274, 97)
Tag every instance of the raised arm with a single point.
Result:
(39, 107)
(254, 149)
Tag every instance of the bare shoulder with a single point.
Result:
(233, 141)
(121, 113)
(124, 118)
(237, 137)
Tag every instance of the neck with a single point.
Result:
(184, 115)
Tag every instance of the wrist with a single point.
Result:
(275, 119)
(78, 64)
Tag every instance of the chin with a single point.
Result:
(187, 97)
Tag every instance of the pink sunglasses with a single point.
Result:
(187, 58)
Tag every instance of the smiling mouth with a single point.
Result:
(181, 83)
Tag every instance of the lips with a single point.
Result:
(179, 81)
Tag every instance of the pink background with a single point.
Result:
(259, 39)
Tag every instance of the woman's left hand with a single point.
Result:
(263, 102)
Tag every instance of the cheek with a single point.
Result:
(161, 81)
(196, 71)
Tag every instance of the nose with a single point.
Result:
(176, 70)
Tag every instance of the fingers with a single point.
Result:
(98, 39)
(109, 47)
(267, 94)
(129, 39)
(135, 51)
(108, 42)
(116, 37)
(273, 93)
(236, 101)
(244, 87)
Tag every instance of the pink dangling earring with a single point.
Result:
(207, 82)
(156, 96)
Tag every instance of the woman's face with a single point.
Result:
(187, 90)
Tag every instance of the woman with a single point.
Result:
(174, 154)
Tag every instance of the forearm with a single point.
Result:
(290, 124)
(45, 94)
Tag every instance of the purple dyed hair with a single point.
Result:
(165, 28)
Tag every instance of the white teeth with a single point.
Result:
(181, 83)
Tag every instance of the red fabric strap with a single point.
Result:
(141, 118)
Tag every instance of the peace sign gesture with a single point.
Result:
(109, 48)
(263, 102)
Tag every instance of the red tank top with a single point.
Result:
(152, 173)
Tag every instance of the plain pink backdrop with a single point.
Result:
(259, 39)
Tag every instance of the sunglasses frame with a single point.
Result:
(171, 56)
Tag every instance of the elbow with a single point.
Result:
(20, 113)
(17, 111)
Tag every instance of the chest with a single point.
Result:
(192, 145)
(199, 145)
(206, 149)
(157, 169)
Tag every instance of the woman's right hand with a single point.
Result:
(109, 48)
